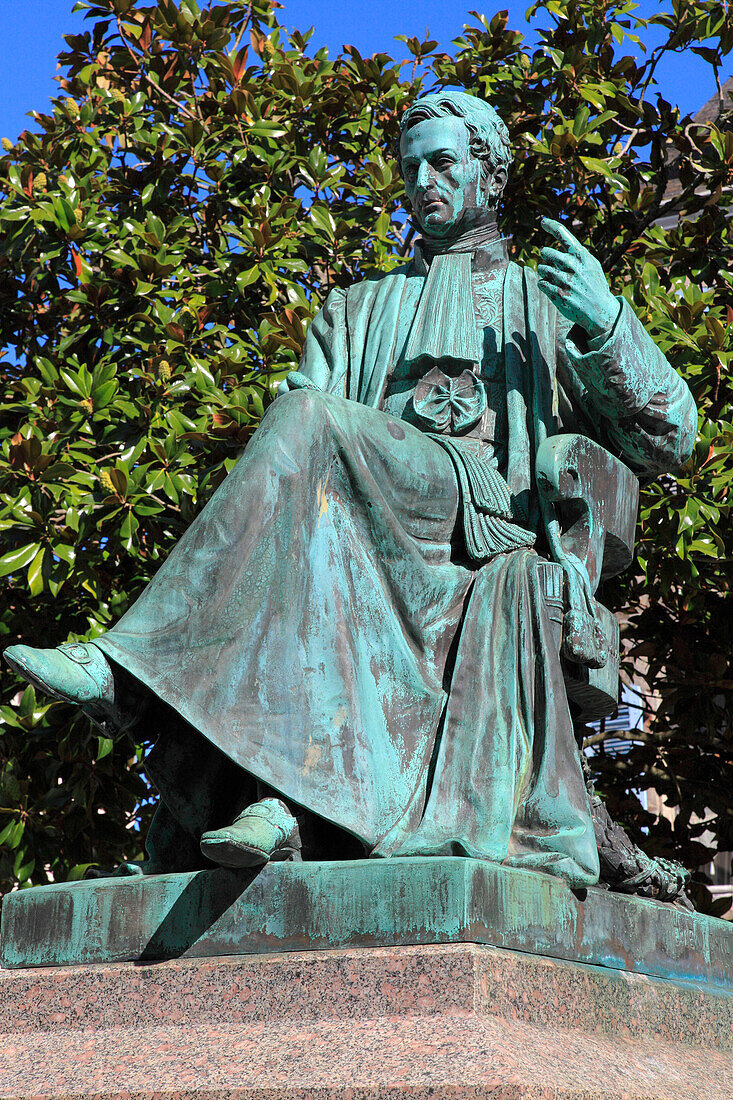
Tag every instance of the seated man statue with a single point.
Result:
(350, 652)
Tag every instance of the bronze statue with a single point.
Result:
(373, 639)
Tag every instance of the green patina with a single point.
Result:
(368, 617)
(365, 903)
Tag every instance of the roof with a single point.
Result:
(718, 104)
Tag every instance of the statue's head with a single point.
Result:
(453, 154)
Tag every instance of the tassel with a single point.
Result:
(487, 525)
(489, 490)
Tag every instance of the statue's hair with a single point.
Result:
(488, 135)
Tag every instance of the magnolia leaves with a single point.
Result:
(184, 205)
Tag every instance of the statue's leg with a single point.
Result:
(302, 623)
(170, 848)
(507, 783)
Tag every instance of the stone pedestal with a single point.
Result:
(459, 1020)
(360, 903)
(378, 978)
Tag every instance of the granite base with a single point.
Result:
(453, 1021)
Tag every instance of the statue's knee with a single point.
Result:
(308, 401)
(306, 411)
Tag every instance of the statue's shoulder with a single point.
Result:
(377, 283)
(360, 298)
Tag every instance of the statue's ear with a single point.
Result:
(497, 181)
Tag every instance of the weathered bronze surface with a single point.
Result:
(362, 903)
(385, 612)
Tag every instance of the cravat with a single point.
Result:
(445, 326)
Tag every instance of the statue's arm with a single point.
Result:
(324, 361)
(641, 408)
(633, 401)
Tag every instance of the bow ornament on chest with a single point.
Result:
(450, 405)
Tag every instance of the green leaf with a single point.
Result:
(79, 872)
(650, 277)
(593, 164)
(104, 747)
(323, 219)
(35, 573)
(592, 97)
(64, 552)
(246, 278)
(15, 835)
(18, 559)
(263, 128)
(27, 702)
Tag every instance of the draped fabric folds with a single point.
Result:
(323, 628)
(309, 626)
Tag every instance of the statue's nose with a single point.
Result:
(423, 176)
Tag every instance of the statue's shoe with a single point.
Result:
(73, 672)
(264, 831)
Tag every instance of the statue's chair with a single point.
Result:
(596, 502)
(596, 499)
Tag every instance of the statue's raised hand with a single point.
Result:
(574, 282)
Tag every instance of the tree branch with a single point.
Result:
(146, 76)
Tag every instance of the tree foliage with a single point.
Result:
(170, 226)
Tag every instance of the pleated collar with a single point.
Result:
(485, 255)
(444, 328)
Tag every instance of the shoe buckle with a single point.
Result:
(77, 652)
(274, 812)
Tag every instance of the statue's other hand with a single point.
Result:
(574, 282)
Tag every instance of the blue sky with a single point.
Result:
(32, 36)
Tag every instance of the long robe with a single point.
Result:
(319, 626)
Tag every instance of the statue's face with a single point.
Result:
(448, 188)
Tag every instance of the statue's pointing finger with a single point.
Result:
(574, 282)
